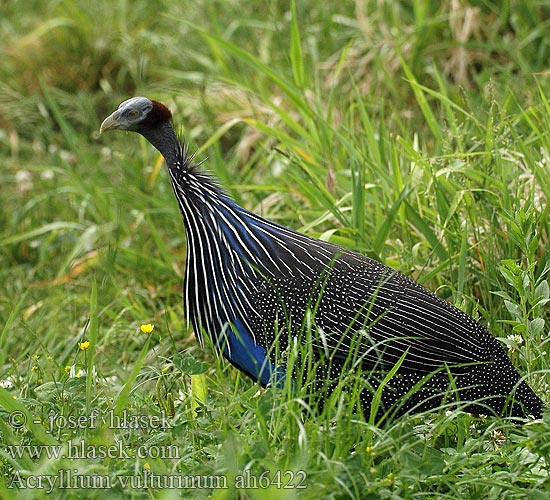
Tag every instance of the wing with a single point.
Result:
(361, 306)
(388, 314)
(358, 303)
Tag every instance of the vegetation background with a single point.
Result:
(413, 131)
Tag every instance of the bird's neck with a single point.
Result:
(164, 139)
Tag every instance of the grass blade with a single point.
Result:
(124, 395)
(90, 353)
(296, 56)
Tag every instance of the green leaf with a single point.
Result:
(18, 410)
(199, 390)
(188, 364)
(542, 291)
(513, 309)
(536, 326)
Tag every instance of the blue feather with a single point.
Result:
(250, 357)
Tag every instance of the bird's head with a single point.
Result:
(138, 114)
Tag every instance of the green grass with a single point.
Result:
(414, 132)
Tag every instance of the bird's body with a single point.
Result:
(255, 286)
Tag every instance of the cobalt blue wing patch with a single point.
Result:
(250, 357)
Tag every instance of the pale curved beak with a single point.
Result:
(110, 123)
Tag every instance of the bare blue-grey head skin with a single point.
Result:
(148, 118)
(130, 115)
(251, 283)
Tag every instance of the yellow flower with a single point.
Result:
(36, 357)
(148, 328)
(67, 369)
(146, 466)
(84, 345)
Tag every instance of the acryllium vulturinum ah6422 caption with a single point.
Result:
(250, 284)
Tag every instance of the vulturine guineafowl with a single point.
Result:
(250, 283)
